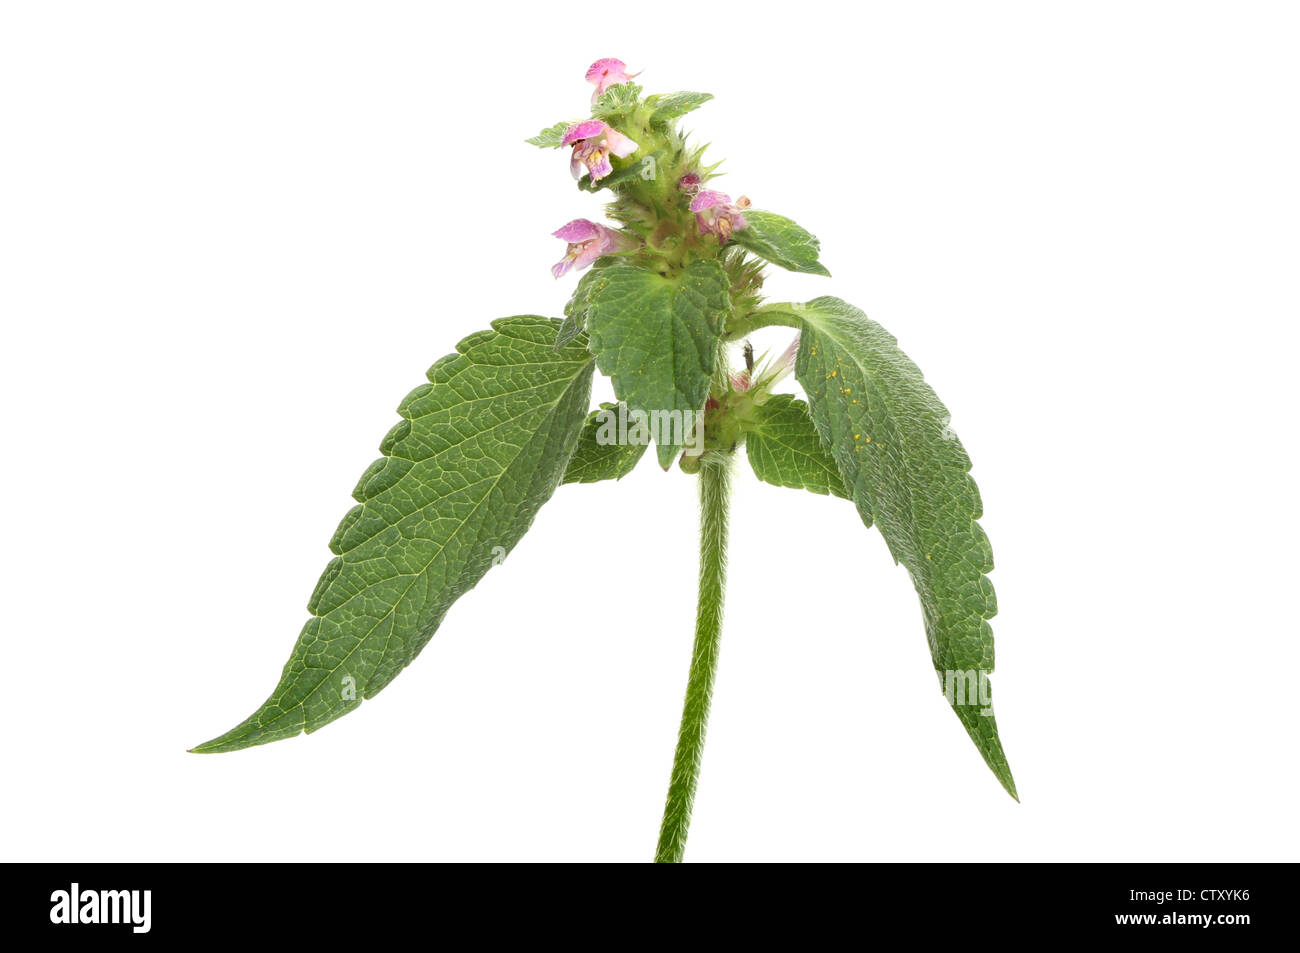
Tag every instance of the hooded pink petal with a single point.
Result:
(707, 199)
(606, 73)
(716, 214)
(579, 230)
(587, 241)
(603, 68)
(583, 130)
(593, 141)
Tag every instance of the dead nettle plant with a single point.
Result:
(672, 286)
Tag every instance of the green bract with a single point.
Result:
(674, 286)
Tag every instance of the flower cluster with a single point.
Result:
(595, 143)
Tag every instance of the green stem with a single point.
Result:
(715, 500)
(781, 314)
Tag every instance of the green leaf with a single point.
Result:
(669, 106)
(598, 458)
(551, 137)
(633, 167)
(575, 309)
(477, 452)
(780, 241)
(784, 449)
(909, 475)
(656, 337)
(570, 327)
(616, 101)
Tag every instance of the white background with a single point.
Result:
(233, 236)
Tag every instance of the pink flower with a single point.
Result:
(587, 242)
(606, 73)
(593, 142)
(715, 214)
(690, 183)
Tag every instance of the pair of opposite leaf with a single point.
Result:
(506, 419)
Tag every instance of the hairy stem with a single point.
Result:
(715, 501)
(778, 314)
